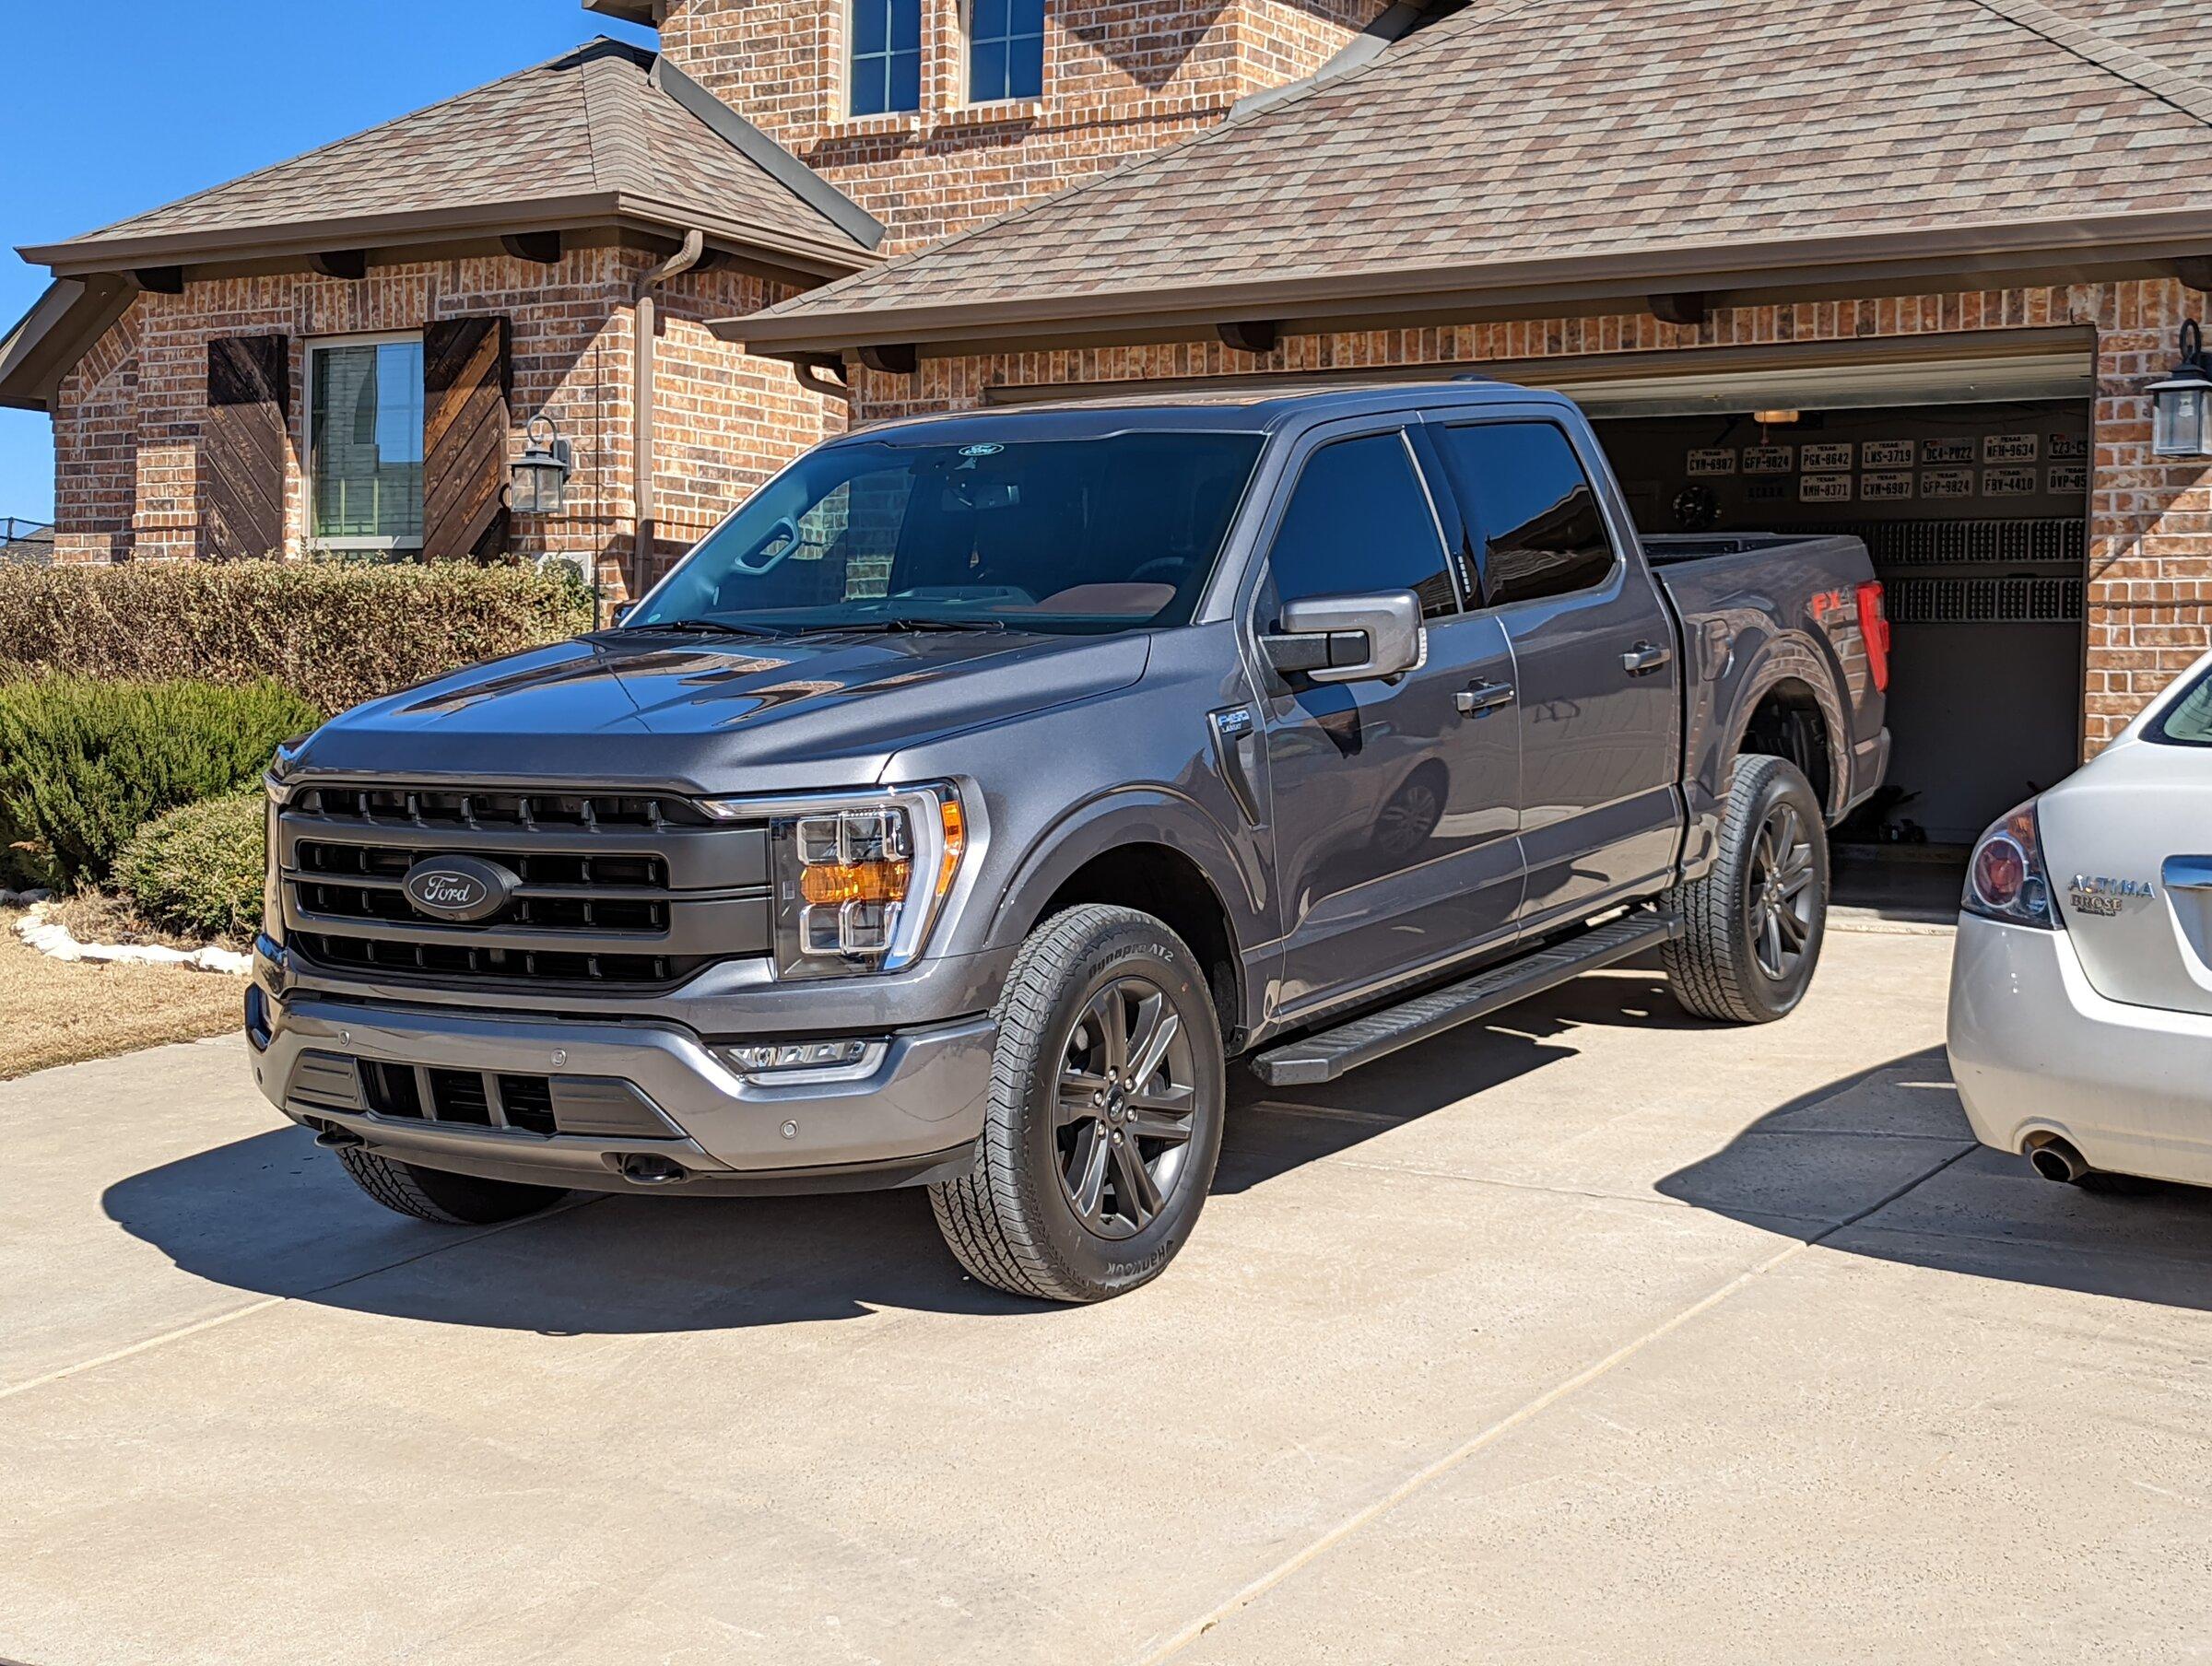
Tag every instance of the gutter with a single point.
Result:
(1986, 252)
(644, 316)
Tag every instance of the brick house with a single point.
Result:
(1902, 267)
(342, 351)
(1898, 267)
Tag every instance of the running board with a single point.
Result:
(1327, 1054)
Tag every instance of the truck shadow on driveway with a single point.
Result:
(1879, 1163)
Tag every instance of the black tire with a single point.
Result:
(1017, 1219)
(450, 1200)
(1724, 964)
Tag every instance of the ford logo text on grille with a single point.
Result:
(459, 887)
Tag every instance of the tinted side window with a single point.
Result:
(1525, 487)
(1359, 522)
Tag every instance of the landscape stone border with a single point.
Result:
(53, 939)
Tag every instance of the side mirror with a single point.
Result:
(1348, 638)
(622, 612)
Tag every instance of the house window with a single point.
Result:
(364, 442)
(886, 56)
(1006, 50)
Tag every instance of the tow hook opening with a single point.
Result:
(649, 1168)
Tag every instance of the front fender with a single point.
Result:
(1137, 815)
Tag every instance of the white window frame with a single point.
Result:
(316, 344)
(1044, 66)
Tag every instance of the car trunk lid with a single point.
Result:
(2128, 847)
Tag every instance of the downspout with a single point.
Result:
(643, 311)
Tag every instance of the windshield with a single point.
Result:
(2187, 721)
(1108, 532)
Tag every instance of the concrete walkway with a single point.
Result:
(1592, 1335)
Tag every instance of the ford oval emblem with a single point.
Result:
(459, 887)
(986, 448)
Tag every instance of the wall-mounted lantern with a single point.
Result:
(541, 473)
(2181, 407)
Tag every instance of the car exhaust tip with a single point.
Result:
(646, 1169)
(2056, 1160)
(333, 1138)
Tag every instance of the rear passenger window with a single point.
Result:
(1358, 521)
(1524, 487)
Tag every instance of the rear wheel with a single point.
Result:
(1752, 927)
(1105, 1112)
(451, 1199)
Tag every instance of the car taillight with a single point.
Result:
(1874, 625)
(2004, 878)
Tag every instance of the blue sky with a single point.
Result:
(119, 106)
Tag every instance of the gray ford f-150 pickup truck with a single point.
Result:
(955, 810)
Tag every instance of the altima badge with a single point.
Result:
(2096, 894)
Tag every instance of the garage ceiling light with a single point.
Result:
(2179, 426)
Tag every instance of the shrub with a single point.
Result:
(199, 869)
(85, 764)
(338, 633)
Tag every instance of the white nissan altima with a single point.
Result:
(2081, 986)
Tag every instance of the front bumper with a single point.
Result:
(644, 1090)
(2035, 1051)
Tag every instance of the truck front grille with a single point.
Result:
(614, 889)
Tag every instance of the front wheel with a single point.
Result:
(1752, 927)
(450, 1200)
(1104, 1121)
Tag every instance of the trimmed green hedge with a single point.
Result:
(200, 869)
(83, 764)
(337, 632)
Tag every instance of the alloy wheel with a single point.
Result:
(1781, 893)
(1127, 1097)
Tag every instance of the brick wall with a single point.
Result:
(2149, 603)
(128, 417)
(1121, 77)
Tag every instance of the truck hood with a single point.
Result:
(716, 715)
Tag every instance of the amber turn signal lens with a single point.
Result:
(837, 881)
(956, 842)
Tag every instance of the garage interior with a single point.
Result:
(1969, 481)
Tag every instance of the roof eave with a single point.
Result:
(300, 239)
(2010, 250)
(62, 324)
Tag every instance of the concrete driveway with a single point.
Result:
(1595, 1334)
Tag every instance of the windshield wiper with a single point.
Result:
(720, 628)
(886, 626)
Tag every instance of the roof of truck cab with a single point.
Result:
(1229, 409)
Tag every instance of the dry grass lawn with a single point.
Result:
(55, 1012)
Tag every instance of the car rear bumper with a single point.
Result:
(618, 1107)
(2035, 1051)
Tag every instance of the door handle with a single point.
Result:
(1478, 697)
(1643, 657)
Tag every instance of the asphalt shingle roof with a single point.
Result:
(592, 123)
(1526, 130)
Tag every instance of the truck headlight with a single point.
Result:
(859, 878)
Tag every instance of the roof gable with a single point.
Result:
(1546, 132)
(594, 133)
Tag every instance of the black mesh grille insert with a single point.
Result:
(463, 959)
(406, 806)
(458, 1096)
(527, 1103)
(391, 1089)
